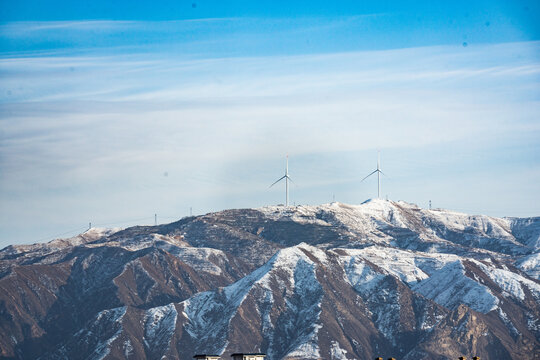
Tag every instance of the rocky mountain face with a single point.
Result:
(333, 281)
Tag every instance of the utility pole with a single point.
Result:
(155, 219)
(429, 204)
(287, 182)
(378, 175)
(190, 211)
(89, 225)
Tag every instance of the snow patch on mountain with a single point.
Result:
(208, 318)
(264, 309)
(336, 352)
(369, 218)
(128, 348)
(302, 214)
(456, 221)
(209, 313)
(510, 282)
(526, 230)
(303, 310)
(365, 218)
(286, 260)
(397, 262)
(450, 287)
(114, 316)
(531, 265)
(361, 276)
(508, 322)
(46, 251)
(413, 266)
(408, 266)
(372, 285)
(159, 326)
(408, 226)
(199, 258)
(307, 351)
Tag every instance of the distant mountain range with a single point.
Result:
(333, 281)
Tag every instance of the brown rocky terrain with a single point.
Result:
(333, 281)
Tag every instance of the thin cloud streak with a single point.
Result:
(100, 138)
(23, 28)
(151, 79)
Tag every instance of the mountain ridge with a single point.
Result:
(332, 281)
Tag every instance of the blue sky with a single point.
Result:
(113, 111)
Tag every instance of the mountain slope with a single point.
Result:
(333, 281)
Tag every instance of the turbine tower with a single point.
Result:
(287, 178)
(379, 172)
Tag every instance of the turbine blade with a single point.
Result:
(278, 180)
(288, 177)
(383, 173)
(369, 175)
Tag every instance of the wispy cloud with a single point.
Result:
(132, 134)
(26, 28)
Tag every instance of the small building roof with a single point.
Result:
(253, 354)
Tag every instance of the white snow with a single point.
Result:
(511, 282)
(533, 323)
(267, 327)
(528, 230)
(408, 266)
(336, 352)
(361, 277)
(103, 348)
(290, 266)
(450, 287)
(128, 348)
(365, 218)
(286, 260)
(96, 233)
(160, 323)
(508, 323)
(302, 214)
(200, 258)
(307, 350)
(368, 282)
(199, 309)
(47, 253)
(531, 265)
(440, 277)
(372, 220)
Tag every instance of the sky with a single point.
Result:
(112, 112)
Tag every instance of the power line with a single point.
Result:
(53, 237)
(79, 230)
(124, 221)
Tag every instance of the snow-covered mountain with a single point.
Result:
(333, 281)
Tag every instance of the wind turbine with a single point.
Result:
(379, 172)
(287, 178)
